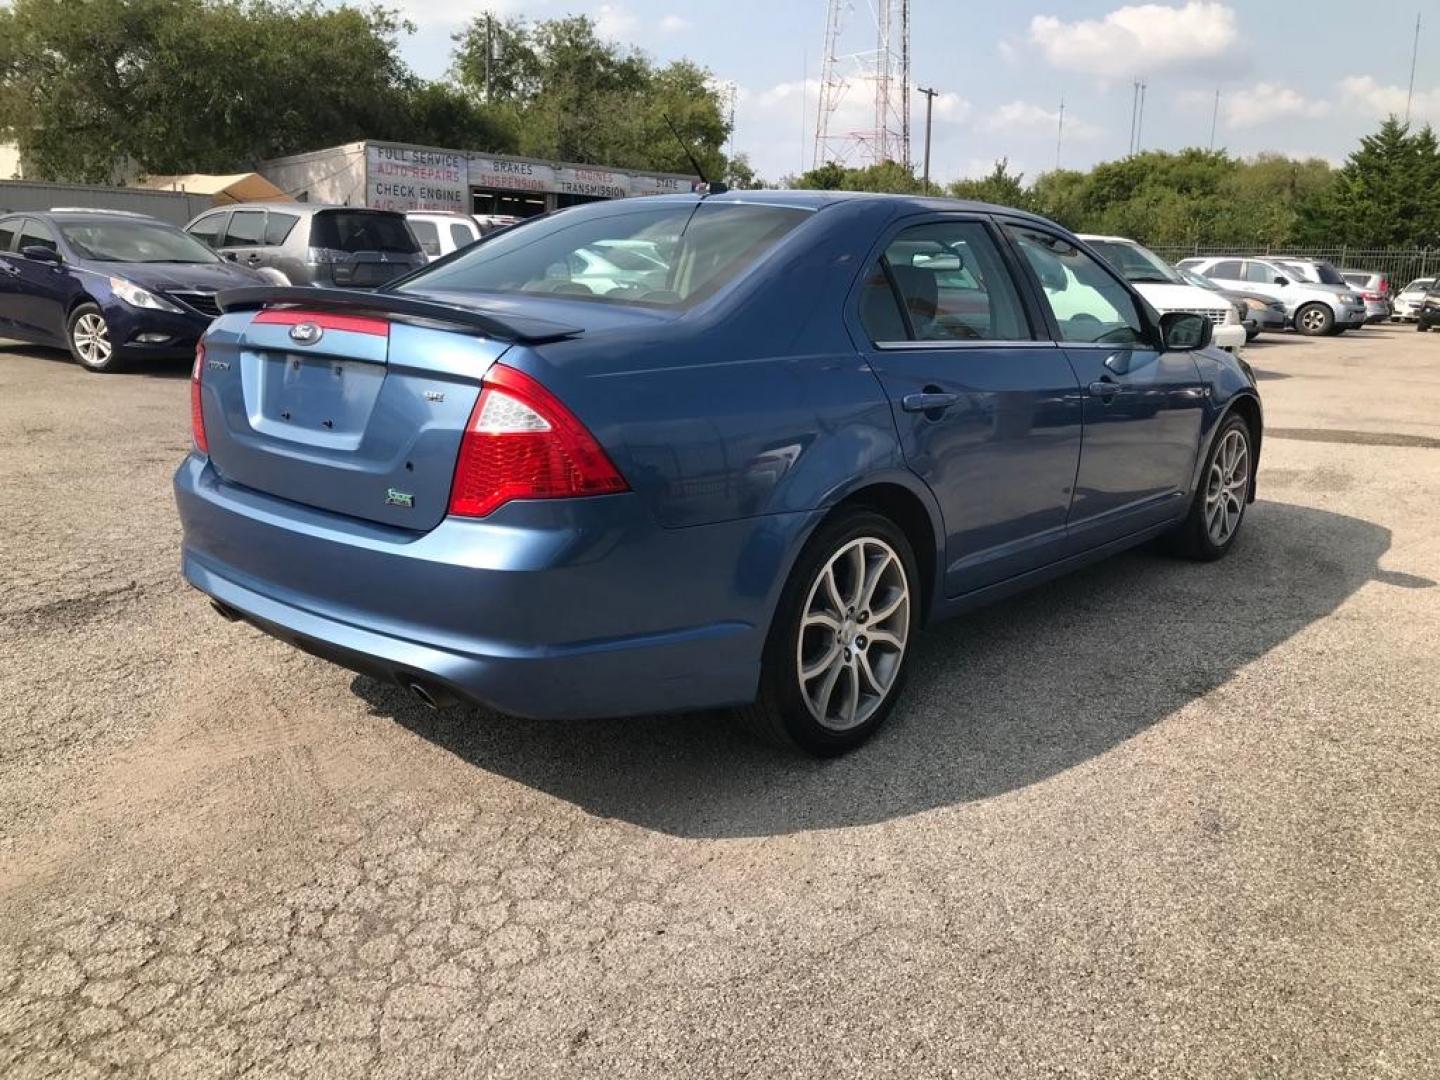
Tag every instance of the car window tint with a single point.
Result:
(7, 233)
(207, 229)
(362, 230)
(1089, 305)
(461, 234)
(37, 234)
(880, 308)
(1259, 273)
(246, 229)
(277, 227)
(427, 234)
(1230, 270)
(954, 284)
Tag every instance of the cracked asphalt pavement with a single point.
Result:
(1157, 819)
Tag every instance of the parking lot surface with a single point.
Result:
(1156, 819)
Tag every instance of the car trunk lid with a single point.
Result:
(351, 403)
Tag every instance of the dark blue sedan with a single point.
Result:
(748, 481)
(108, 286)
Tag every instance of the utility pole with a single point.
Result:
(1140, 118)
(1134, 105)
(1214, 116)
(1414, 54)
(929, 108)
(1059, 132)
(489, 52)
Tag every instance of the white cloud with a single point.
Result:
(1264, 103)
(1142, 39)
(615, 21)
(1364, 94)
(1027, 116)
(673, 24)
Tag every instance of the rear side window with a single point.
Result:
(362, 230)
(1230, 270)
(207, 229)
(277, 227)
(428, 236)
(462, 235)
(1089, 305)
(7, 233)
(246, 229)
(952, 286)
(37, 234)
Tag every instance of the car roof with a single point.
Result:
(808, 199)
(88, 215)
(291, 207)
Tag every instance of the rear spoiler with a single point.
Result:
(504, 327)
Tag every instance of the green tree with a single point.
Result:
(1001, 187)
(1388, 192)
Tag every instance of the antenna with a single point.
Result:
(707, 188)
(886, 68)
(1414, 53)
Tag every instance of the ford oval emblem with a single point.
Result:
(306, 333)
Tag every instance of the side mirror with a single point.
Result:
(1185, 330)
(1282, 281)
(41, 253)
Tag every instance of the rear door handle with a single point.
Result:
(928, 402)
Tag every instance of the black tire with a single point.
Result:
(1420, 327)
(781, 713)
(1192, 538)
(1315, 320)
(80, 336)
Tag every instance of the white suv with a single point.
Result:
(440, 232)
(1165, 290)
(1312, 307)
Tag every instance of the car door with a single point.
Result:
(1143, 405)
(1266, 278)
(244, 238)
(43, 288)
(9, 272)
(987, 409)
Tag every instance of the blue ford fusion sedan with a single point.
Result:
(749, 481)
(108, 286)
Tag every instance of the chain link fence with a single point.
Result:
(1401, 266)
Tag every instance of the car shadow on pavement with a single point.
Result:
(997, 700)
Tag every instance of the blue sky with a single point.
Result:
(1304, 78)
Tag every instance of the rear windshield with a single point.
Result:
(668, 256)
(1327, 274)
(362, 230)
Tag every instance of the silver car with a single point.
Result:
(1407, 304)
(342, 247)
(1374, 288)
(1312, 307)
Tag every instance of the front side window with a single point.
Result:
(247, 229)
(662, 256)
(134, 242)
(1089, 305)
(461, 235)
(36, 234)
(951, 285)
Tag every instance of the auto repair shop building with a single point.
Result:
(397, 176)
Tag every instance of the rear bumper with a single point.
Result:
(570, 609)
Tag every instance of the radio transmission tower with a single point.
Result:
(884, 71)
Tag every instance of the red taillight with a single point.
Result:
(521, 443)
(197, 409)
(1371, 296)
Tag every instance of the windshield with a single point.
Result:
(1420, 284)
(669, 256)
(1135, 263)
(134, 242)
(1192, 278)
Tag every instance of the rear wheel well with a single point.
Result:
(905, 509)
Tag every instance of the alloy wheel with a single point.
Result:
(1227, 486)
(92, 339)
(1313, 320)
(853, 634)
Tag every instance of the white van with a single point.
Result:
(1165, 290)
(440, 232)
